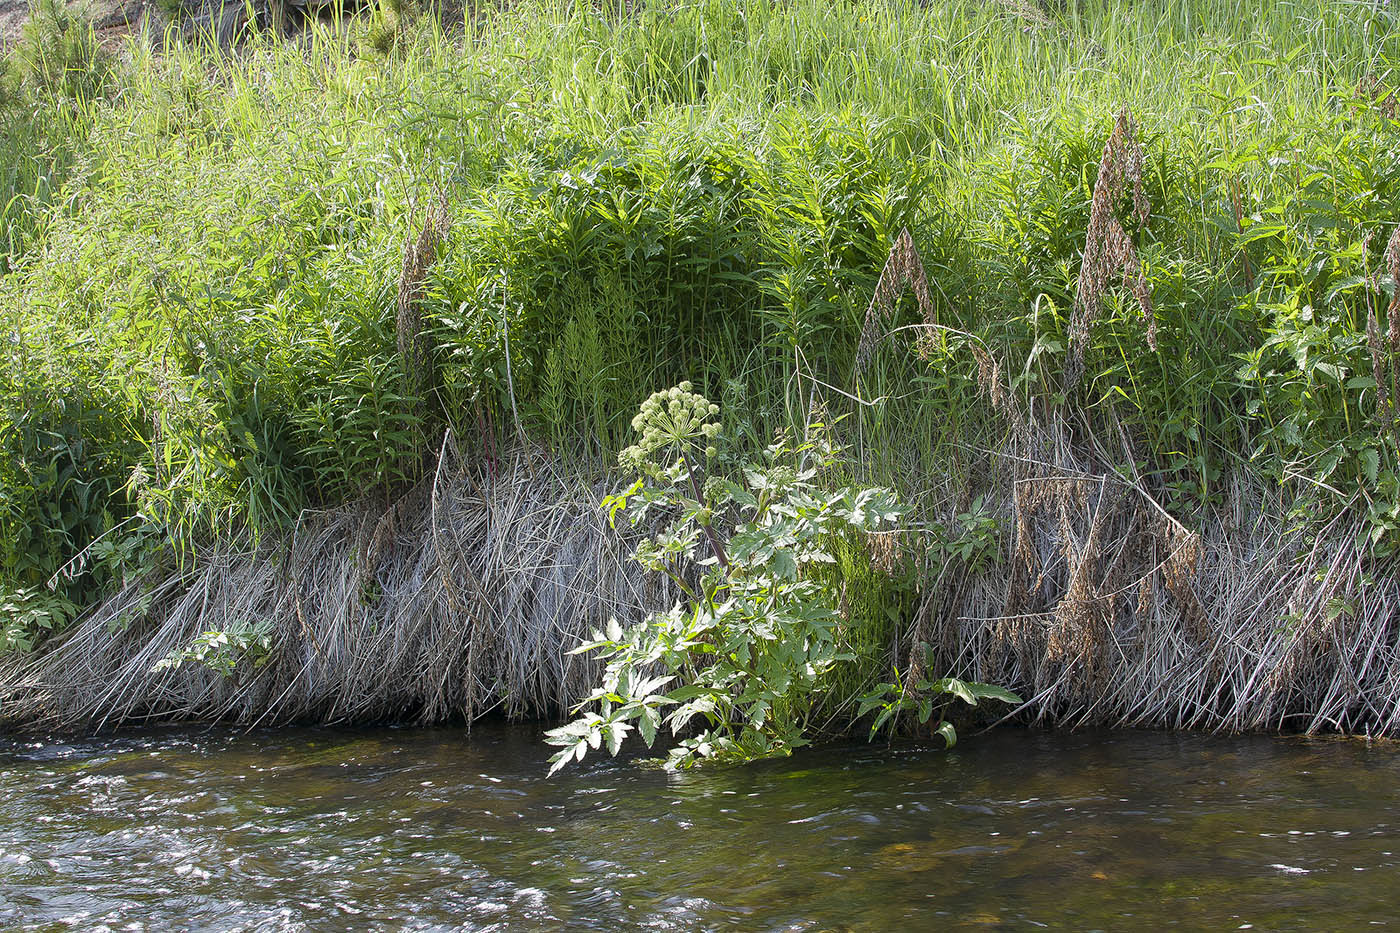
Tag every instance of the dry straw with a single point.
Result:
(470, 602)
(1110, 612)
(1392, 260)
(1101, 609)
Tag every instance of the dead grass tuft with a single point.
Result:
(1108, 249)
(419, 254)
(1098, 607)
(468, 599)
(904, 270)
(1106, 611)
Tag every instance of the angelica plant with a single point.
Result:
(732, 671)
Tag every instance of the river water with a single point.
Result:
(320, 829)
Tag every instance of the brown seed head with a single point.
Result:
(904, 269)
(1107, 247)
(419, 254)
(1392, 260)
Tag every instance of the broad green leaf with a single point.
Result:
(1370, 463)
(558, 760)
(993, 692)
(867, 703)
(950, 735)
(647, 725)
(957, 688)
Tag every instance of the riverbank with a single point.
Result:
(467, 595)
(1139, 398)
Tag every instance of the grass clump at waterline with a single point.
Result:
(1143, 408)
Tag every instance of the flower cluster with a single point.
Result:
(676, 419)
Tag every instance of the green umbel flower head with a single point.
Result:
(674, 422)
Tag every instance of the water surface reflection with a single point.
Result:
(430, 829)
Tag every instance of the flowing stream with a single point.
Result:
(322, 829)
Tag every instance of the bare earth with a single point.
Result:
(112, 18)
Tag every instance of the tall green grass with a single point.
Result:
(199, 301)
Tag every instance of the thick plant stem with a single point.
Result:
(715, 544)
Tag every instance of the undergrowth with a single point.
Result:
(204, 257)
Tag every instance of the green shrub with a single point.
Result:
(224, 651)
(58, 52)
(27, 614)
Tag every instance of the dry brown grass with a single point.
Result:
(469, 601)
(418, 256)
(1099, 608)
(1108, 249)
(1392, 262)
(1103, 610)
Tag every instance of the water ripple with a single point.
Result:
(427, 830)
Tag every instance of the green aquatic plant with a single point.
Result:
(733, 670)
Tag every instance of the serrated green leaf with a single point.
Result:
(647, 725)
(1370, 463)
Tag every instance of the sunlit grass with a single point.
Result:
(202, 260)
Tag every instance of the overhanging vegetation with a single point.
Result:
(1162, 489)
